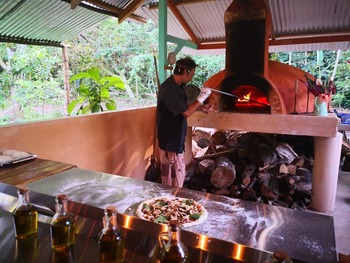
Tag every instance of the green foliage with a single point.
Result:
(208, 66)
(94, 92)
(31, 84)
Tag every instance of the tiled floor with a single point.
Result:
(342, 214)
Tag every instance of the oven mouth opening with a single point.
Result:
(251, 93)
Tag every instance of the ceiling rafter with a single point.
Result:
(74, 3)
(185, 2)
(182, 21)
(272, 29)
(127, 11)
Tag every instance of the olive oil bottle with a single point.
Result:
(111, 239)
(62, 226)
(173, 251)
(25, 216)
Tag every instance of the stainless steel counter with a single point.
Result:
(305, 236)
(140, 235)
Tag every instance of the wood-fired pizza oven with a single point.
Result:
(271, 90)
(260, 85)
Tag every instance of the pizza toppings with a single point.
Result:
(162, 210)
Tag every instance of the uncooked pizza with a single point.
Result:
(163, 209)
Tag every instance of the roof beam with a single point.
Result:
(182, 21)
(309, 40)
(114, 10)
(131, 7)
(220, 44)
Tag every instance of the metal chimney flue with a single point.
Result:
(247, 26)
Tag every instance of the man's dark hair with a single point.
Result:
(183, 65)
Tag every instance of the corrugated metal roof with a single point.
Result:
(292, 19)
(298, 21)
(45, 22)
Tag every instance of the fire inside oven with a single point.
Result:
(251, 94)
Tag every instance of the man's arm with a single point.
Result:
(191, 109)
(203, 95)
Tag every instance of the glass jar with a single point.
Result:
(25, 215)
(62, 226)
(111, 239)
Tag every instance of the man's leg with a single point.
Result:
(165, 167)
(178, 171)
(172, 167)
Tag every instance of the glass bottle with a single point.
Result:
(62, 226)
(279, 256)
(111, 239)
(25, 215)
(173, 251)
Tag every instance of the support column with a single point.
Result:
(325, 173)
(162, 38)
(66, 76)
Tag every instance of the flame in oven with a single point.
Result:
(245, 98)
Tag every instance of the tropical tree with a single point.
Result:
(94, 92)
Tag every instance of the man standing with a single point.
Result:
(173, 112)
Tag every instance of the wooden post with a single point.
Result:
(66, 76)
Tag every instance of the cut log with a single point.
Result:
(285, 181)
(190, 170)
(249, 193)
(235, 190)
(197, 151)
(218, 138)
(285, 151)
(299, 161)
(200, 134)
(292, 169)
(264, 181)
(213, 155)
(283, 169)
(306, 173)
(232, 138)
(270, 196)
(203, 143)
(262, 157)
(247, 174)
(222, 191)
(205, 166)
(301, 191)
(224, 173)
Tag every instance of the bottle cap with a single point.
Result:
(173, 223)
(110, 210)
(61, 197)
(280, 255)
(22, 189)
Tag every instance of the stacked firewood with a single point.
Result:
(252, 166)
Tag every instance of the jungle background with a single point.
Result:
(32, 82)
